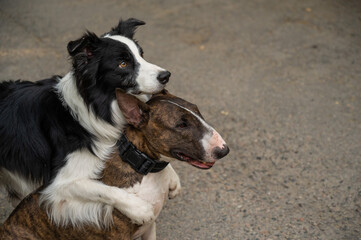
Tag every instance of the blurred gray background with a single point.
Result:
(280, 80)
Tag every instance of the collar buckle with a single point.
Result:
(147, 165)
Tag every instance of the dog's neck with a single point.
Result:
(137, 138)
(106, 134)
(119, 173)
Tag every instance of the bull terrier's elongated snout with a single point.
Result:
(218, 153)
(216, 148)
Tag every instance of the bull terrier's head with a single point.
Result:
(172, 127)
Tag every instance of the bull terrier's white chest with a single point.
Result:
(154, 189)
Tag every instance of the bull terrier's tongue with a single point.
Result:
(202, 165)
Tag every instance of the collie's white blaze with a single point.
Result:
(210, 139)
(74, 197)
(147, 74)
(106, 134)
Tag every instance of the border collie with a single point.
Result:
(60, 131)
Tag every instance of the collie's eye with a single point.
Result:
(123, 64)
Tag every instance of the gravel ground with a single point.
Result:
(280, 80)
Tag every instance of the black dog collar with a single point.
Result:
(139, 161)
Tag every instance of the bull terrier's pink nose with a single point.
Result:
(219, 153)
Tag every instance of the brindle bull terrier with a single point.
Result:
(167, 127)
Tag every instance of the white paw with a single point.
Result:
(174, 188)
(138, 210)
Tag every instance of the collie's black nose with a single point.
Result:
(219, 153)
(163, 77)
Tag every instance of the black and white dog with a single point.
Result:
(60, 131)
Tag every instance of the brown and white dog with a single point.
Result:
(166, 126)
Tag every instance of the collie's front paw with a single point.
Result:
(138, 210)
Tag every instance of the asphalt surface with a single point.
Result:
(280, 80)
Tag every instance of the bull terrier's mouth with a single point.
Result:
(193, 162)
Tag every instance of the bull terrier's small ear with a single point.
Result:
(135, 112)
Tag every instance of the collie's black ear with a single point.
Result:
(126, 28)
(86, 44)
(85, 63)
(134, 111)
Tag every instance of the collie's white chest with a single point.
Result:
(154, 189)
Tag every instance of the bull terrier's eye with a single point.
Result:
(123, 64)
(182, 124)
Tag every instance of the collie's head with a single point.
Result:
(114, 60)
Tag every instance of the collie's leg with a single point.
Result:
(17, 187)
(75, 181)
(87, 190)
